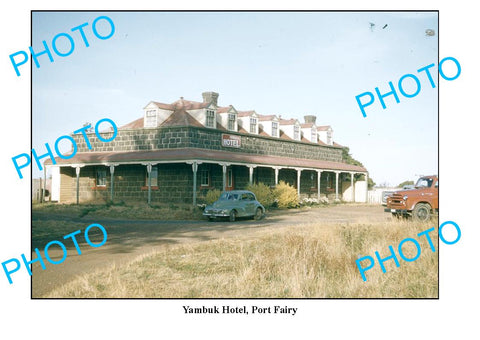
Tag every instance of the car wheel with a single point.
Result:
(421, 212)
(233, 216)
(258, 214)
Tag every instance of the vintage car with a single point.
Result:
(421, 203)
(233, 204)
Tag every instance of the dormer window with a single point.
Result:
(314, 135)
(231, 121)
(296, 132)
(151, 118)
(274, 129)
(210, 121)
(253, 125)
(329, 137)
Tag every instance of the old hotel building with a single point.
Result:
(177, 152)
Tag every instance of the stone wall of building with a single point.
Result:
(175, 183)
(204, 138)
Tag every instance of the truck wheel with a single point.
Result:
(422, 212)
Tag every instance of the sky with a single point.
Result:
(286, 63)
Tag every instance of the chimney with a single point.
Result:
(310, 119)
(209, 97)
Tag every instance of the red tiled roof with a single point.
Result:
(182, 155)
(164, 106)
(261, 132)
(190, 105)
(266, 117)
(136, 124)
(180, 117)
(305, 140)
(242, 130)
(284, 136)
(245, 113)
(321, 143)
(287, 121)
(187, 104)
(323, 128)
(306, 125)
(224, 109)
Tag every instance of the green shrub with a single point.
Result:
(212, 196)
(285, 195)
(263, 193)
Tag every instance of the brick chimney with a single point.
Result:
(310, 119)
(209, 97)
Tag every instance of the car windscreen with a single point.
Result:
(424, 183)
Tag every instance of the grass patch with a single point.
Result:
(302, 261)
(121, 210)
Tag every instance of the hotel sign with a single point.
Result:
(231, 141)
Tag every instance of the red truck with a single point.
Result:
(421, 202)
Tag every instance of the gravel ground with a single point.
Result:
(128, 239)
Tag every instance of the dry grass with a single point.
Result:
(304, 261)
(136, 211)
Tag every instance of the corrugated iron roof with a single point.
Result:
(182, 155)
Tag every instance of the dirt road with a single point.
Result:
(128, 239)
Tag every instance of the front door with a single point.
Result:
(230, 185)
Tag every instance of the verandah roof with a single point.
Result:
(192, 154)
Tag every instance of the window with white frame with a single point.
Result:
(296, 132)
(101, 177)
(231, 121)
(210, 121)
(253, 125)
(205, 178)
(274, 129)
(153, 175)
(329, 137)
(151, 118)
(314, 135)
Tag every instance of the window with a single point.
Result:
(296, 132)
(154, 175)
(424, 183)
(313, 181)
(253, 125)
(101, 178)
(231, 121)
(314, 135)
(205, 178)
(151, 118)
(274, 129)
(329, 137)
(210, 122)
(247, 197)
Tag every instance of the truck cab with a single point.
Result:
(421, 202)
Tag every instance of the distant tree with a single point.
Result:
(347, 158)
(371, 183)
(401, 185)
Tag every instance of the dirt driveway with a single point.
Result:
(128, 239)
